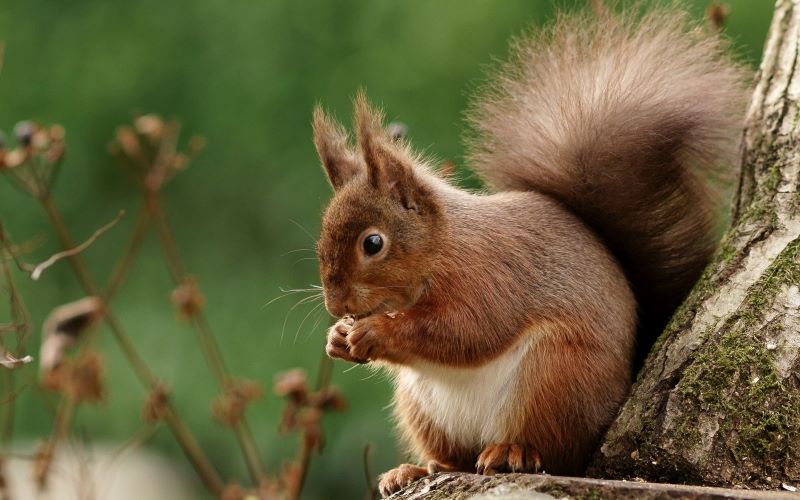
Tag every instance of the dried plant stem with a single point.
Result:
(7, 422)
(244, 435)
(205, 336)
(7, 406)
(20, 323)
(120, 272)
(63, 422)
(37, 271)
(186, 440)
(66, 241)
(324, 372)
(172, 256)
(6, 431)
(20, 319)
(372, 489)
(67, 406)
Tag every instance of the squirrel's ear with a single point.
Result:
(341, 165)
(388, 167)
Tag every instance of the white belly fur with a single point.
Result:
(471, 405)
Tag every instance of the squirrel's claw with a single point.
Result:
(398, 478)
(337, 345)
(365, 340)
(504, 457)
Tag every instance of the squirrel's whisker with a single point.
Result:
(298, 250)
(286, 293)
(313, 239)
(300, 302)
(311, 311)
(315, 325)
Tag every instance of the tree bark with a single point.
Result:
(718, 399)
(458, 486)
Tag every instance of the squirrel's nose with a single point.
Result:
(335, 310)
(335, 303)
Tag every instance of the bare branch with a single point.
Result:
(40, 268)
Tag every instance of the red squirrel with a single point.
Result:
(509, 319)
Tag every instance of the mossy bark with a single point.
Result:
(718, 399)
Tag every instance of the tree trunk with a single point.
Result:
(718, 400)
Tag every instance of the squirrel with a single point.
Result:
(510, 319)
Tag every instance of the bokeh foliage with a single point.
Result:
(245, 75)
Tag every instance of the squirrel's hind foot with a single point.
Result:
(505, 457)
(398, 478)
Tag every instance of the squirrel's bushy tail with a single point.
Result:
(624, 119)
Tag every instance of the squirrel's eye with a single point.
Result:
(373, 244)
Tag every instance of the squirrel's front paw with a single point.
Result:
(367, 340)
(337, 346)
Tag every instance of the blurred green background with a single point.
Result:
(245, 75)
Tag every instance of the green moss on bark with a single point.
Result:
(734, 376)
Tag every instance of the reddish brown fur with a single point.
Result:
(624, 120)
(468, 278)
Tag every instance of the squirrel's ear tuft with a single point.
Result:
(340, 163)
(388, 167)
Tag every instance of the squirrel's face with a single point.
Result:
(378, 232)
(373, 252)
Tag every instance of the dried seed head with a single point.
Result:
(292, 384)
(196, 144)
(150, 126)
(81, 378)
(41, 140)
(397, 131)
(64, 326)
(15, 158)
(155, 406)
(179, 161)
(229, 407)
(149, 150)
(57, 133)
(55, 153)
(24, 131)
(330, 399)
(717, 13)
(128, 142)
(188, 299)
(232, 492)
(87, 379)
(33, 143)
